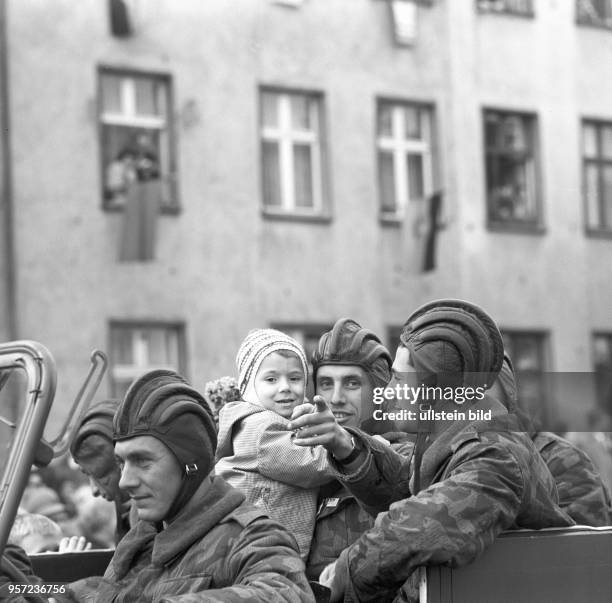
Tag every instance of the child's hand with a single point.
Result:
(74, 544)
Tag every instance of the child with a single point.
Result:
(255, 452)
(35, 533)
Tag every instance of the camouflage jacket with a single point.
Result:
(340, 517)
(218, 549)
(582, 494)
(476, 482)
(256, 455)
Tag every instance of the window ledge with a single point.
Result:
(595, 233)
(507, 13)
(390, 220)
(606, 25)
(516, 228)
(166, 210)
(287, 216)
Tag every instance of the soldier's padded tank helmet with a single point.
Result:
(163, 405)
(98, 420)
(348, 343)
(454, 341)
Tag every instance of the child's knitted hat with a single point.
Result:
(258, 344)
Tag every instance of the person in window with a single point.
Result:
(196, 538)
(467, 480)
(120, 173)
(143, 202)
(93, 451)
(146, 160)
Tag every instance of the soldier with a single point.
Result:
(582, 493)
(348, 364)
(195, 533)
(93, 451)
(471, 479)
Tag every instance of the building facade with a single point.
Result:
(294, 152)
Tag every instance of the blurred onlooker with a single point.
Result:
(38, 498)
(92, 449)
(582, 493)
(63, 476)
(219, 392)
(597, 443)
(35, 533)
(96, 518)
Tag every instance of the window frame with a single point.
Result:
(529, 226)
(287, 210)
(173, 206)
(599, 400)
(179, 329)
(549, 412)
(505, 10)
(600, 161)
(597, 22)
(427, 150)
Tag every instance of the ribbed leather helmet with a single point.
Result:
(470, 335)
(163, 405)
(349, 343)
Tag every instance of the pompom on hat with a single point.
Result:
(258, 344)
(163, 405)
(454, 341)
(348, 343)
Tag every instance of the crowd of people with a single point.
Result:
(253, 493)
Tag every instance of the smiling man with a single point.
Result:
(349, 362)
(196, 538)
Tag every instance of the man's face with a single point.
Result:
(96, 459)
(150, 474)
(348, 391)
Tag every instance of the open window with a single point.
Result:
(511, 169)
(135, 135)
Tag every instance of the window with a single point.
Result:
(510, 158)
(135, 127)
(513, 7)
(602, 361)
(136, 348)
(597, 174)
(405, 162)
(594, 12)
(291, 150)
(528, 353)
